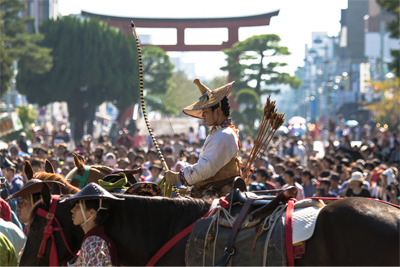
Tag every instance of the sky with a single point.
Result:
(296, 21)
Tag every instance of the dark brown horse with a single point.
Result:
(351, 231)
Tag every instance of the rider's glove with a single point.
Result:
(172, 177)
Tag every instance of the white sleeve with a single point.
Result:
(218, 150)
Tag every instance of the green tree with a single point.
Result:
(250, 64)
(393, 6)
(27, 114)
(93, 63)
(387, 110)
(17, 45)
(178, 95)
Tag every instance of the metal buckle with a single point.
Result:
(49, 216)
(230, 253)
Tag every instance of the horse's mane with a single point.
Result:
(66, 189)
(182, 210)
(102, 168)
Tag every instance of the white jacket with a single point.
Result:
(220, 147)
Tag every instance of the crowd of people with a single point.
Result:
(207, 160)
(368, 170)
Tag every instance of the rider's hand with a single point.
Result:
(172, 177)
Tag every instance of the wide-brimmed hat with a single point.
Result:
(208, 98)
(156, 164)
(391, 177)
(357, 176)
(33, 186)
(92, 191)
(193, 155)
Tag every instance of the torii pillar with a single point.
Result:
(180, 24)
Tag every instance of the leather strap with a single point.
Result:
(173, 241)
(289, 233)
(229, 250)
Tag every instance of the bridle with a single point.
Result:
(48, 232)
(82, 178)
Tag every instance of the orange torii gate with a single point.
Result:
(180, 24)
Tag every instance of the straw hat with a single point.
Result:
(33, 186)
(208, 98)
(357, 176)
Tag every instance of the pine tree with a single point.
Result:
(17, 45)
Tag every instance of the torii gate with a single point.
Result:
(180, 24)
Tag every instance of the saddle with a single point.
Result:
(252, 209)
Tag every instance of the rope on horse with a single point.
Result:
(160, 155)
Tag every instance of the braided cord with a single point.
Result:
(168, 188)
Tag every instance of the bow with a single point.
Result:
(168, 189)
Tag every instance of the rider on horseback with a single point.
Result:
(218, 163)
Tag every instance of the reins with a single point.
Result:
(172, 242)
(48, 232)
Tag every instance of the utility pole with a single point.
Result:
(382, 35)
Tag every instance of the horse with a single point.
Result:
(49, 175)
(83, 174)
(350, 231)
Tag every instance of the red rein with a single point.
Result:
(48, 232)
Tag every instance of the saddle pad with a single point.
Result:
(304, 221)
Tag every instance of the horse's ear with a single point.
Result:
(81, 158)
(28, 170)
(48, 167)
(56, 189)
(46, 196)
(80, 168)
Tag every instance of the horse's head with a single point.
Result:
(73, 234)
(49, 175)
(82, 174)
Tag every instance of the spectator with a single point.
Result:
(22, 142)
(289, 179)
(354, 187)
(394, 156)
(138, 140)
(259, 183)
(170, 161)
(177, 145)
(191, 136)
(201, 133)
(37, 165)
(308, 183)
(138, 176)
(193, 158)
(14, 182)
(248, 143)
(323, 189)
(335, 186)
(122, 163)
(124, 139)
(155, 171)
(300, 151)
(393, 193)
(195, 148)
